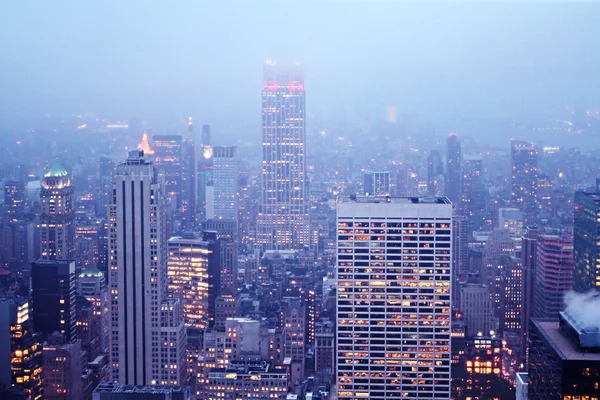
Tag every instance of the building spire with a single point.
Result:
(145, 146)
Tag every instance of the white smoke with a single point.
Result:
(584, 308)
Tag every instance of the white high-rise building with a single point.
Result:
(137, 272)
(394, 297)
(225, 184)
(283, 221)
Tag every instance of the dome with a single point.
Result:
(90, 271)
(56, 170)
(56, 178)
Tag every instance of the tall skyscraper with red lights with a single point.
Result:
(283, 221)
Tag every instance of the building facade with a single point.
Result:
(524, 178)
(168, 155)
(20, 350)
(453, 168)
(15, 195)
(554, 273)
(586, 236)
(473, 193)
(62, 368)
(53, 290)
(137, 259)
(376, 183)
(225, 182)
(283, 221)
(394, 281)
(435, 174)
(189, 182)
(247, 382)
(564, 360)
(92, 286)
(188, 269)
(57, 231)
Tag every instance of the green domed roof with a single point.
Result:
(90, 271)
(56, 170)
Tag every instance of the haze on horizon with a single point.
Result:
(159, 59)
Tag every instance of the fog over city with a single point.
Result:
(442, 60)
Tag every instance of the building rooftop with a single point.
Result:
(587, 337)
(522, 378)
(56, 170)
(565, 349)
(90, 271)
(590, 195)
(270, 254)
(113, 387)
(393, 200)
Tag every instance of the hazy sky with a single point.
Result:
(205, 58)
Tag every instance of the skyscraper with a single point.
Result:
(137, 272)
(586, 236)
(478, 309)
(188, 277)
(104, 190)
(435, 173)
(283, 221)
(168, 153)
(20, 350)
(205, 135)
(453, 169)
(294, 339)
(205, 168)
(57, 231)
(402, 177)
(564, 357)
(524, 178)
(189, 184)
(529, 262)
(393, 298)
(92, 286)
(460, 256)
(14, 200)
(53, 288)
(225, 185)
(512, 303)
(554, 273)
(472, 202)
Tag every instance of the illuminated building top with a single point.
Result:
(56, 178)
(145, 145)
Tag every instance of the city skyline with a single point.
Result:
(403, 203)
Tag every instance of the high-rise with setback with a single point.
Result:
(57, 231)
(283, 221)
(393, 299)
(138, 274)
